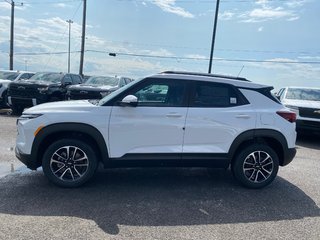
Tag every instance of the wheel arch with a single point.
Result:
(272, 138)
(85, 132)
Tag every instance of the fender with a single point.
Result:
(40, 139)
(256, 133)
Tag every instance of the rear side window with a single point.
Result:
(76, 79)
(208, 94)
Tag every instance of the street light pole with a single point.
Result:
(83, 36)
(11, 36)
(214, 34)
(69, 21)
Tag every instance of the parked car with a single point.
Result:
(6, 77)
(305, 102)
(97, 87)
(42, 87)
(168, 119)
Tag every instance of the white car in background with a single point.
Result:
(7, 77)
(306, 103)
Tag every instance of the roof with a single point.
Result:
(236, 81)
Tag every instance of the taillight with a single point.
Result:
(289, 116)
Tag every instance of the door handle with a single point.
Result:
(243, 116)
(174, 115)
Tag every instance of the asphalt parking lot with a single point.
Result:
(159, 203)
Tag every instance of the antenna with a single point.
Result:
(240, 71)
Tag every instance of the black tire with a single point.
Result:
(17, 110)
(69, 162)
(256, 166)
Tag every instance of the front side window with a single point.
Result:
(208, 94)
(161, 94)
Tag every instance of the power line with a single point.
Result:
(110, 53)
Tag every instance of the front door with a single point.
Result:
(155, 125)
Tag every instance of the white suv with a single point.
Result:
(168, 119)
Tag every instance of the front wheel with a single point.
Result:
(256, 166)
(69, 162)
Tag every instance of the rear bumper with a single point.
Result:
(288, 156)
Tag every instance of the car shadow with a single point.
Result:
(309, 140)
(156, 197)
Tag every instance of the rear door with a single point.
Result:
(217, 114)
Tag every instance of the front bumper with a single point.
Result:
(27, 159)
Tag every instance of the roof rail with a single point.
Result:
(206, 75)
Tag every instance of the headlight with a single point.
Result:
(28, 117)
(103, 94)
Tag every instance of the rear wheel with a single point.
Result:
(69, 162)
(256, 166)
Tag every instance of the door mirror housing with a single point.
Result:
(129, 100)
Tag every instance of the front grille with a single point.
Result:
(310, 112)
(23, 91)
(84, 95)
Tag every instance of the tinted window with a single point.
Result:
(76, 79)
(25, 76)
(214, 95)
(67, 79)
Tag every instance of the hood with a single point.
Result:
(92, 87)
(36, 82)
(301, 103)
(5, 81)
(62, 107)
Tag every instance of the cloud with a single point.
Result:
(260, 29)
(170, 7)
(266, 10)
(226, 15)
(268, 13)
(5, 6)
(61, 5)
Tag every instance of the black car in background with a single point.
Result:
(42, 87)
(97, 87)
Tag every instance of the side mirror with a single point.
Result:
(130, 101)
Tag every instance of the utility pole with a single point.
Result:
(11, 36)
(214, 35)
(69, 21)
(12, 3)
(83, 36)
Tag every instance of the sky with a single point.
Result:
(273, 42)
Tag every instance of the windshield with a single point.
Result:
(8, 75)
(303, 94)
(111, 81)
(47, 77)
(115, 93)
